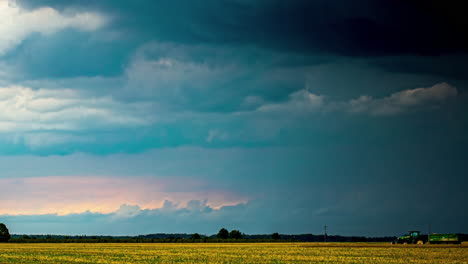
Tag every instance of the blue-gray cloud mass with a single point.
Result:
(279, 116)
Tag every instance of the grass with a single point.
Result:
(233, 253)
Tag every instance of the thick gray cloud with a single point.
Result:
(305, 102)
(420, 32)
(404, 100)
(353, 28)
(328, 104)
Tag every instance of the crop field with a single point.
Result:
(233, 253)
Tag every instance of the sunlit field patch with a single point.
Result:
(232, 253)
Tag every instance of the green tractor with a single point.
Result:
(413, 237)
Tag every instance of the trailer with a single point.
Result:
(444, 239)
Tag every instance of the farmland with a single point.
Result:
(233, 253)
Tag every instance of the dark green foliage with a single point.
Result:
(223, 233)
(235, 234)
(189, 238)
(275, 236)
(43, 239)
(4, 233)
(196, 236)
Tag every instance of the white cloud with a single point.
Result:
(403, 101)
(123, 196)
(303, 101)
(127, 211)
(216, 135)
(17, 24)
(23, 109)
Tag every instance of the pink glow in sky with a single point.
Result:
(76, 194)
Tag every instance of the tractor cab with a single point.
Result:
(414, 234)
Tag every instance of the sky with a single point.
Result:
(137, 117)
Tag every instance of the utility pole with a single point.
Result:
(325, 233)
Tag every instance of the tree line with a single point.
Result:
(223, 235)
(4, 233)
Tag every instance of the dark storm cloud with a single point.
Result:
(353, 28)
(453, 67)
(429, 37)
(69, 54)
(267, 98)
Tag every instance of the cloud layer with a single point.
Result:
(264, 116)
(24, 109)
(40, 118)
(404, 101)
(303, 101)
(17, 23)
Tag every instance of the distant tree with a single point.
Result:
(4, 233)
(235, 234)
(223, 233)
(275, 236)
(196, 236)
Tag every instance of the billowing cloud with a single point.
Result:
(75, 194)
(334, 204)
(127, 211)
(304, 101)
(17, 23)
(23, 109)
(404, 100)
(181, 77)
(248, 102)
(196, 216)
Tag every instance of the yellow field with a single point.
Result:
(233, 253)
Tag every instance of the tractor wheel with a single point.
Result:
(420, 242)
